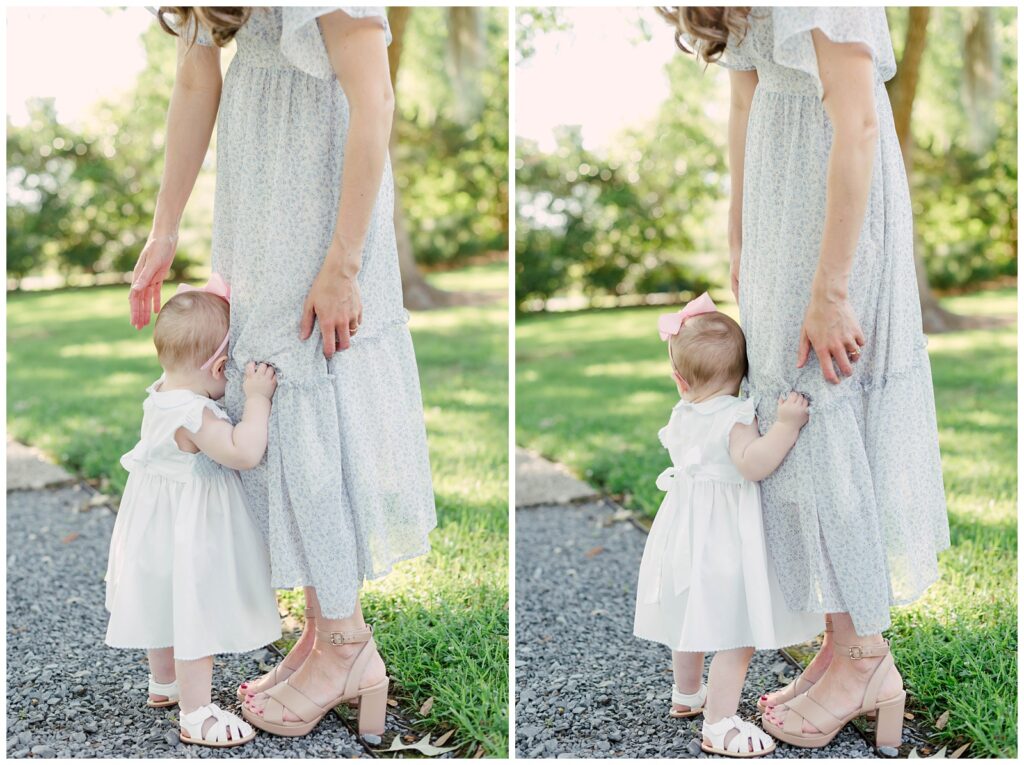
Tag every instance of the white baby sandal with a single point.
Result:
(212, 726)
(695, 702)
(747, 740)
(169, 691)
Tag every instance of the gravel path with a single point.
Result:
(68, 695)
(585, 687)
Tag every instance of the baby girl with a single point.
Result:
(705, 582)
(188, 575)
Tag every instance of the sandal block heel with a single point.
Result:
(889, 721)
(373, 709)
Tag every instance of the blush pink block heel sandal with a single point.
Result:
(800, 684)
(280, 672)
(889, 712)
(373, 701)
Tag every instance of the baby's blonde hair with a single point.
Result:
(189, 328)
(709, 349)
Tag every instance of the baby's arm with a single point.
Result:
(241, 446)
(758, 456)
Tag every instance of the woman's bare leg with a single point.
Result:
(687, 672)
(813, 671)
(299, 651)
(323, 675)
(161, 667)
(841, 688)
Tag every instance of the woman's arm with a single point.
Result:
(741, 89)
(190, 119)
(358, 53)
(830, 326)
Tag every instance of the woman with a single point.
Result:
(820, 233)
(303, 234)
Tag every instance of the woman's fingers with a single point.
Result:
(306, 324)
(825, 361)
(805, 349)
(842, 360)
(328, 329)
(344, 337)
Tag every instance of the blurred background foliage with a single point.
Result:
(647, 215)
(80, 197)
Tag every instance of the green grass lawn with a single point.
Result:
(76, 377)
(593, 388)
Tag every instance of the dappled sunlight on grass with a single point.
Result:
(593, 388)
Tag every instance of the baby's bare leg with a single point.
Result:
(687, 671)
(725, 682)
(194, 681)
(161, 667)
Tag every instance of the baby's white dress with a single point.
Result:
(706, 583)
(188, 566)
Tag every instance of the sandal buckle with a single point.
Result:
(337, 638)
(856, 652)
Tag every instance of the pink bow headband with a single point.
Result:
(215, 286)
(669, 324)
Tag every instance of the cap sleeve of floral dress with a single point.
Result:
(302, 43)
(794, 48)
(203, 37)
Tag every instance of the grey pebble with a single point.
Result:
(42, 750)
(171, 737)
(78, 737)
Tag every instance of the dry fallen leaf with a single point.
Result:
(425, 709)
(392, 702)
(70, 537)
(593, 551)
(908, 715)
(423, 746)
(479, 752)
(958, 752)
(447, 735)
(943, 719)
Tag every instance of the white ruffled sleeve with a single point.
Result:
(743, 413)
(794, 48)
(192, 420)
(203, 38)
(303, 45)
(731, 58)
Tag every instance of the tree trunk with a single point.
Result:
(980, 78)
(902, 89)
(417, 292)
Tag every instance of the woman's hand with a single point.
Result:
(831, 328)
(334, 300)
(148, 277)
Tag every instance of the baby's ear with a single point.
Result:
(680, 382)
(218, 367)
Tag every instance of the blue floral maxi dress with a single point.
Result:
(344, 491)
(856, 514)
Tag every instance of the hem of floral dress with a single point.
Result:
(855, 387)
(224, 652)
(290, 584)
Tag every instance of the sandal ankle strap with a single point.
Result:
(362, 635)
(856, 652)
